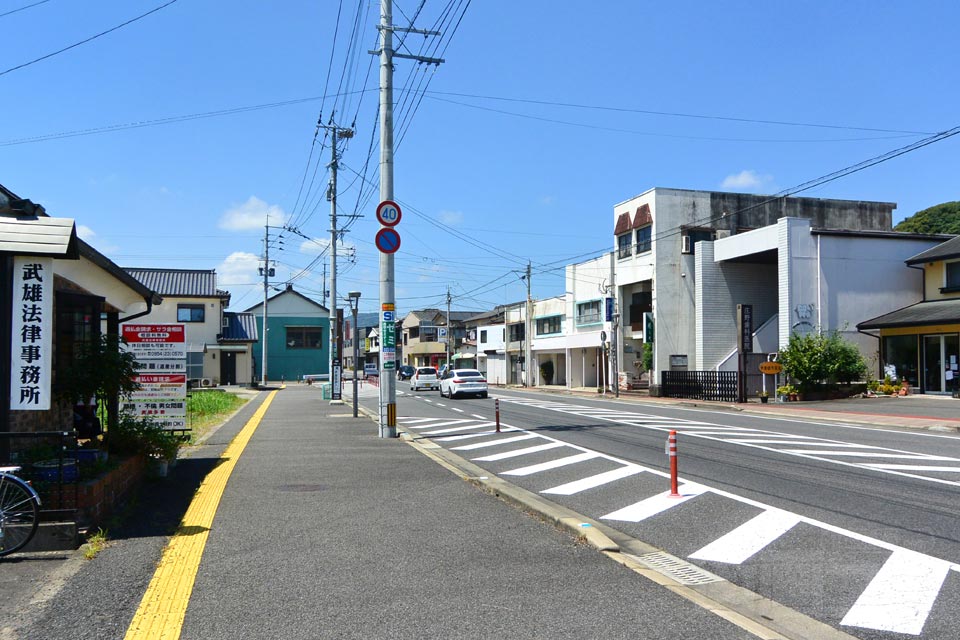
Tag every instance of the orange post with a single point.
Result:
(672, 452)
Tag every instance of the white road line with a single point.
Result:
(410, 421)
(656, 504)
(900, 596)
(443, 423)
(910, 467)
(480, 417)
(464, 436)
(598, 480)
(457, 410)
(493, 443)
(441, 405)
(806, 443)
(742, 543)
(462, 427)
(870, 454)
(553, 464)
(521, 452)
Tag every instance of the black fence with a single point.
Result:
(722, 386)
(52, 464)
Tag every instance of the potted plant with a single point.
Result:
(546, 372)
(764, 396)
(788, 391)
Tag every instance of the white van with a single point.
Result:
(370, 369)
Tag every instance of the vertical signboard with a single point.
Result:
(32, 334)
(161, 352)
(336, 376)
(745, 326)
(388, 337)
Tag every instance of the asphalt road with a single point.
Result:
(851, 525)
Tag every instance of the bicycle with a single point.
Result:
(19, 509)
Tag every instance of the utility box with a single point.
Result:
(325, 389)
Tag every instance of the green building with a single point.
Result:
(298, 339)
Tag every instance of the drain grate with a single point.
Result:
(680, 570)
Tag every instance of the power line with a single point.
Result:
(29, 6)
(94, 37)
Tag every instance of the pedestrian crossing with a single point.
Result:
(927, 467)
(898, 599)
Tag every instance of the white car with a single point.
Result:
(462, 381)
(424, 378)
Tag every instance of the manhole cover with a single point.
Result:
(302, 487)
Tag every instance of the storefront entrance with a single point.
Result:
(941, 354)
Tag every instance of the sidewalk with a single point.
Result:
(327, 531)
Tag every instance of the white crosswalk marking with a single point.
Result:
(460, 427)
(900, 596)
(656, 504)
(493, 443)
(466, 436)
(553, 464)
(598, 480)
(913, 467)
(443, 423)
(520, 452)
(873, 454)
(742, 543)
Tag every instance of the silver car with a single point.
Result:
(424, 378)
(463, 381)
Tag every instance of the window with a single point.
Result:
(190, 313)
(588, 312)
(643, 239)
(548, 325)
(304, 338)
(953, 275)
(623, 246)
(517, 332)
(483, 335)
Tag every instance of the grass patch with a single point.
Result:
(208, 408)
(96, 543)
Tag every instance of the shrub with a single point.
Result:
(817, 358)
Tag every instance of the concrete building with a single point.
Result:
(491, 354)
(657, 237)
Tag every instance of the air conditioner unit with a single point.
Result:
(723, 233)
(206, 382)
(686, 245)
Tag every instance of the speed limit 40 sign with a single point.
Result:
(388, 213)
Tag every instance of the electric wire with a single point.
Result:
(29, 6)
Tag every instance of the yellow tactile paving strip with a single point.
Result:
(164, 605)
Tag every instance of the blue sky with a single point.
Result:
(539, 121)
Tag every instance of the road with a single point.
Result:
(850, 525)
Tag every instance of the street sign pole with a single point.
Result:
(388, 381)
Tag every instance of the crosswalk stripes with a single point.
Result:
(898, 599)
(826, 450)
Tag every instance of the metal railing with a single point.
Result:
(721, 386)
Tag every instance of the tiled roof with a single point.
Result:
(241, 327)
(948, 249)
(196, 283)
(933, 312)
(623, 224)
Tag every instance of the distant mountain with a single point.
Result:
(942, 218)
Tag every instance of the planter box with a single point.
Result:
(97, 499)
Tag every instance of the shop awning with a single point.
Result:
(922, 314)
(40, 236)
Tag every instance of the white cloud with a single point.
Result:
(252, 214)
(85, 233)
(239, 268)
(451, 217)
(748, 180)
(547, 200)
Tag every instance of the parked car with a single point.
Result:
(463, 381)
(424, 378)
(405, 372)
(443, 370)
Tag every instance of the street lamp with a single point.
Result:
(354, 297)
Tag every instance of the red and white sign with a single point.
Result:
(154, 386)
(153, 333)
(388, 213)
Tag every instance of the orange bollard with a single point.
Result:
(672, 452)
(496, 403)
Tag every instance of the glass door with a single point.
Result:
(933, 364)
(951, 361)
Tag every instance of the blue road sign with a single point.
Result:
(388, 240)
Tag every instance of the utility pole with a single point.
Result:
(388, 381)
(335, 367)
(266, 285)
(528, 330)
(449, 334)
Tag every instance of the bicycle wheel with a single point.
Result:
(18, 514)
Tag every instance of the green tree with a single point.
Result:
(816, 358)
(942, 218)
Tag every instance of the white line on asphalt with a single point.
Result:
(598, 480)
(806, 443)
(442, 423)
(464, 436)
(553, 464)
(462, 427)
(441, 405)
(493, 443)
(742, 543)
(655, 504)
(410, 421)
(480, 417)
(522, 452)
(900, 596)
(910, 467)
(870, 454)
(457, 410)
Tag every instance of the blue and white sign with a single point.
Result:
(387, 240)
